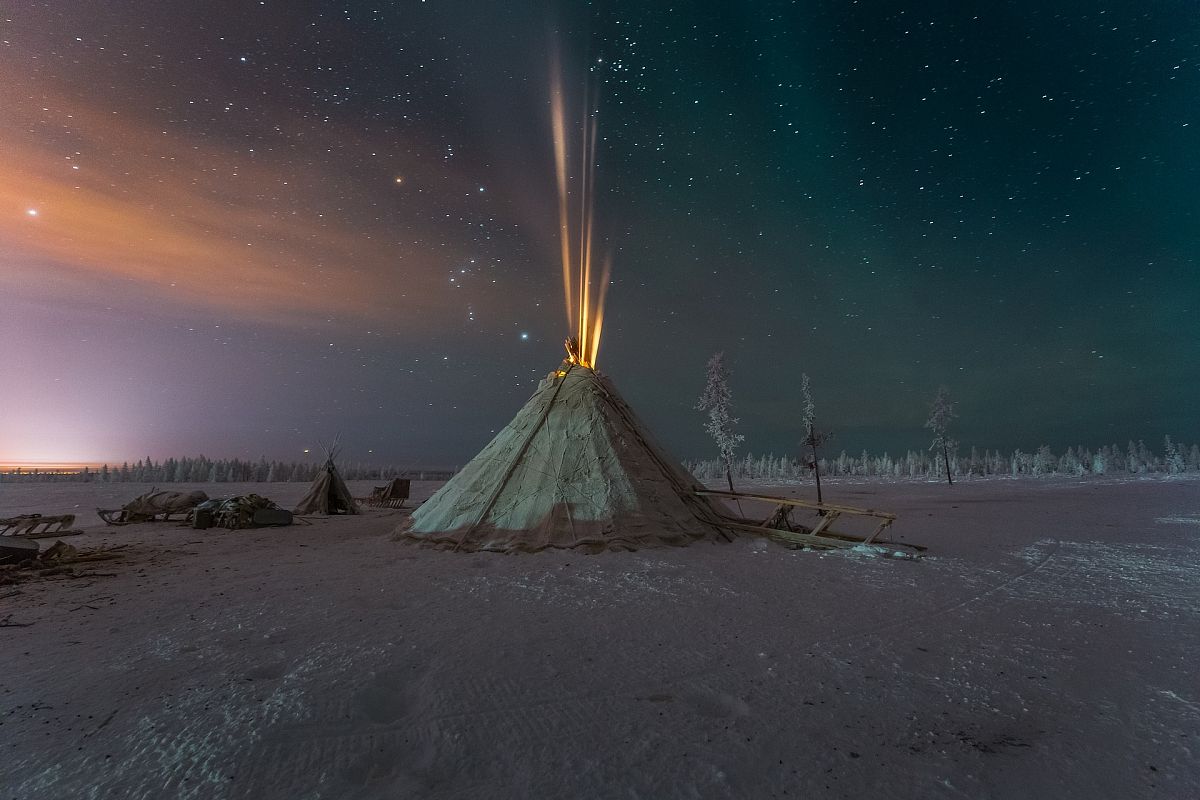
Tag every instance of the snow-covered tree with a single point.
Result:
(975, 466)
(1131, 459)
(941, 412)
(1172, 456)
(717, 400)
(1070, 463)
(1044, 461)
(813, 439)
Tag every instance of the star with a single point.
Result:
(33, 212)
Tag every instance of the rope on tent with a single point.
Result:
(512, 467)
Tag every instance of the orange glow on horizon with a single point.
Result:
(57, 467)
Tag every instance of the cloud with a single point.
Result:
(194, 220)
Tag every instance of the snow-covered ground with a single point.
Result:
(1046, 647)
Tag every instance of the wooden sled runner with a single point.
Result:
(37, 526)
(781, 525)
(154, 506)
(121, 516)
(391, 496)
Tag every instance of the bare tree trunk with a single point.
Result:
(946, 459)
(817, 473)
(729, 480)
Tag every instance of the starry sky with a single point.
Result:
(235, 228)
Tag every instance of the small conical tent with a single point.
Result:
(574, 469)
(328, 493)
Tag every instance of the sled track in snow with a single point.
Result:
(902, 622)
(1038, 567)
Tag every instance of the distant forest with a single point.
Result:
(206, 470)
(1134, 459)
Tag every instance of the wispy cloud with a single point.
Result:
(99, 194)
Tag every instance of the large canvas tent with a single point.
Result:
(574, 469)
(328, 493)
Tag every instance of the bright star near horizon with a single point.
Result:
(33, 212)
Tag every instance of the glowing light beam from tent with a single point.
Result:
(584, 308)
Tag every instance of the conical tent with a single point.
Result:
(328, 493)
(574, 469)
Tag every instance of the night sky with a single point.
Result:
(238, 227)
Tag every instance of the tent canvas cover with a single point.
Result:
(328, 493)
(574, 469)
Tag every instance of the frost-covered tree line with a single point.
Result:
(206, 470)
(943, 459)
(1133, 459)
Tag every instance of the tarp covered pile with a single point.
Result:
(155, 502)
(243, 511)
(153, 505)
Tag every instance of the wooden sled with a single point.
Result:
(781, 526)
(119, 516)
(38, 526)
(154, 506)
(391, 496)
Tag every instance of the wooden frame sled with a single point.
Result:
(155, 506)
(392, 495)
(782, 527)
(120, 516)
(38, 526)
